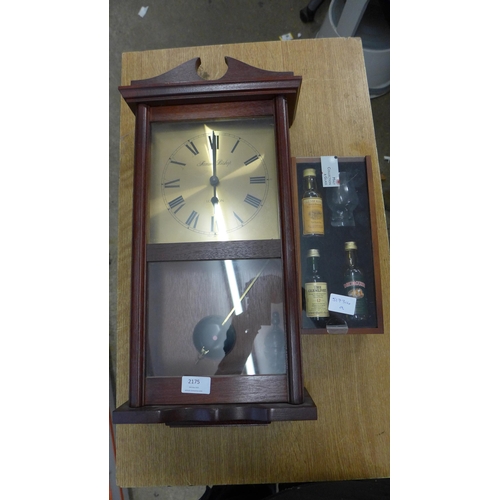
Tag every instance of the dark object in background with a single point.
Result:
(307, 13)
(363, 489)
(239, 492)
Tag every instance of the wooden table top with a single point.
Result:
(346, 375)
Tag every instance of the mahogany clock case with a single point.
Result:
(178, 95)
(331, 246)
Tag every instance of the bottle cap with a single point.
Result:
(350, 245)
(313, 253)
(309, 171)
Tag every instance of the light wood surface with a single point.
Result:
(347, 376)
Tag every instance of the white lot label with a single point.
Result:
(330, 171)
(196, 385)
(342, 304)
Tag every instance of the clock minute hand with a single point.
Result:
(214, 180)
(214, 145)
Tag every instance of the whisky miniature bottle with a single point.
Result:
(312, 206)
(316, 291)
(354, 283)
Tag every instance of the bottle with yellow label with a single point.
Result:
(312, 206)
(316, 291)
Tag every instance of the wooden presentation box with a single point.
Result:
(363, 231)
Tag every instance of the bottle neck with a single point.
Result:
(310, 183)
(351, 258)
(314, 265)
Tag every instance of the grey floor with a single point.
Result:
(185, 23)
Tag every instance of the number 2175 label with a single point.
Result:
(195, 385)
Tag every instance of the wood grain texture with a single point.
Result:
(347, 376)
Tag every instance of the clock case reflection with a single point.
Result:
(228, 310)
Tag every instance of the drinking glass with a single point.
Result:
(342, 201)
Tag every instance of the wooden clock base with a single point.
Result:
(222, 414)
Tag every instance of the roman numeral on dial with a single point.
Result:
(214, 143)
(177, 202)
(193, 218)
(172, 184)
(213, 225)
(252, 200)
(234, 147)
(261, 179)
(252, 159)
(192, 148)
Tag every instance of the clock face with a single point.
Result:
(213, 181)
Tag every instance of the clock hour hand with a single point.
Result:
(214, 144)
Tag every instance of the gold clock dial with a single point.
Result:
(213, 181)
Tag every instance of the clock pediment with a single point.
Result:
(241, 82)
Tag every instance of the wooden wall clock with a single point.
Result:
(215, 308)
